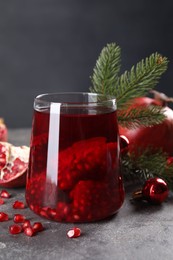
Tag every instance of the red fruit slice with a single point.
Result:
(13, 165)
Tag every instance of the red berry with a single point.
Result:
(26, 223)
(74, 232)
(29, 231)
(3, 217)
(15, 229)
(18, 205)
(1, 201)
(38, 227)
(19, 218)
(5, 194)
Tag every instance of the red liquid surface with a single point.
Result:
(82, 181)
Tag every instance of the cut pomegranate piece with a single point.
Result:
(5, 194)
(3, 216)
(18, 205)
(74, 232)
(13, 165)
(29, 231)
(38, 227)
(19, 218)
(15, 229)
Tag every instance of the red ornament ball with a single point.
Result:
(124, 144)
(155, 190)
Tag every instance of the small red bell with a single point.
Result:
(155, 191)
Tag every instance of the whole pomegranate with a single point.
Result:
(3, 131)
(158, 136)
(13, 165)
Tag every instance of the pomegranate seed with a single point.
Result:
(74, 232)
(51, 212)
(38, 227)
(5, 194)
(18, 218)
(29, 231)
(3, 217)
(15, 229)
(1, 201)
(26, 223)
(18, 205)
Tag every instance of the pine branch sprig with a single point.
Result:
(140, 116)
(137, 82)
(105, 74)
(141, 79)
(147, 165)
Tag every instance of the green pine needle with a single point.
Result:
(105, 74)
(137, 82)
(134, 83)
(141, 78)
(140, 116)
(147, 165)
(131, 84)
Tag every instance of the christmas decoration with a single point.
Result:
(137, 84)
(155, 191)
(159, 136)
(124, 144)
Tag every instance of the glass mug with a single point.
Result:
(74, 172)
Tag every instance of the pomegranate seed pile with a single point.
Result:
(21, 223)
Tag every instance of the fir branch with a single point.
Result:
(140, 79)
(140, 116)
(105, 74)
(147, 165)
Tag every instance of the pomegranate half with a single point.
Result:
(3, 131)
(13, 165)
(158, 136)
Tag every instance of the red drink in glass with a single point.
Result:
(74, 170)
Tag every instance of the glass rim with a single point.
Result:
(103, 99)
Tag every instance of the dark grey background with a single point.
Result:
(52, 45)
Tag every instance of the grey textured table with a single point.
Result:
(136, 232)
